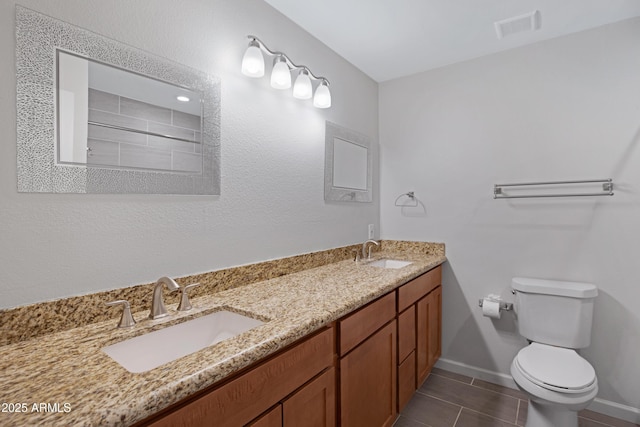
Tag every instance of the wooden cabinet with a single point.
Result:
(357, 326)
(314, 405)
(406, 380)
(246, 397)
(419, 331)
(362, 371)
(368, 381)
(368, 350)
(272, 418)
(428, 333)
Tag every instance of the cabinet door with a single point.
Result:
(428, 335)
(251, 394)
(368, 381)
(314, 405)
(435, 327)
(273, 418)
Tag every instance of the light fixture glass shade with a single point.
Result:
(322, 98)
(252, 61)
(281, 74)
(302, 88)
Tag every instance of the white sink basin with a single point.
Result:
(389, 263)
(145, 352)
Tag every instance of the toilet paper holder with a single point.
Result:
(504, 306)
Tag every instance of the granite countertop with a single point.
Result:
(65, 379)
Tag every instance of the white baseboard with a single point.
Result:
(602, 406)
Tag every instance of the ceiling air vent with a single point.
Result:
(518, 24)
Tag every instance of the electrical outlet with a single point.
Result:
(372, 231)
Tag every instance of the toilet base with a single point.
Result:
(545, 415)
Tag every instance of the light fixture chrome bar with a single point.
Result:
(607, 189)
(289, 62)
(144, 132)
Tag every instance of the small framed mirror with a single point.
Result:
(348, 165)
(99, 116)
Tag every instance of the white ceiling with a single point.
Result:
(387, 39)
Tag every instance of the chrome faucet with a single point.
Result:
(364, 249)
(158, 309)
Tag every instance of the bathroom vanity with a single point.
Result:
(343, 343)
(373, 359)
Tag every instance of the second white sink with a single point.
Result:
(389, 263)
(148, 351)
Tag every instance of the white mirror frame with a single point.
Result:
(333, 193)
(37, 38)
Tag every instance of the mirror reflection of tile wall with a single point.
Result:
(122, 148)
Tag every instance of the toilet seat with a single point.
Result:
(557, 369)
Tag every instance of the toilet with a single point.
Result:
(555, 317)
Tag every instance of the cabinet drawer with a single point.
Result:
(406, 380)
(243, 399)
(418, 287)
(406, 333)
(356, 327)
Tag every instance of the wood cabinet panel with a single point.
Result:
(273, 418)
(246, 397)
(406, 333)
(435, 327)
(358, 326)
(411, 292)
(314, 405)
(368, 381)
(428, 333)
(406, 380)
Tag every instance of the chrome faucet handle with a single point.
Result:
(356, 256)
(126, 321)
(158, 308)
(185, 304)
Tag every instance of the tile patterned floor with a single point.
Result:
(447, 399)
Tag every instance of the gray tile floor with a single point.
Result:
(447, 399)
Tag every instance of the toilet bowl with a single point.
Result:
(558, 382)
(555, 317)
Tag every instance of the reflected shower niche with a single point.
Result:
(99, 116)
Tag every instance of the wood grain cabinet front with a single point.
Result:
(368, 381)
(314, 405)
(249, 395)
(428, 333)
(360, 372)
(272, 418)
(419, 331)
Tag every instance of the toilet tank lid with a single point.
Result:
(554, 287)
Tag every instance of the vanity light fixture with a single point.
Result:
(322, 98)
(252, 61)
(182, 98)
(280, 75)
(253, 66)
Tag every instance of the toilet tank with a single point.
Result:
(554, 312)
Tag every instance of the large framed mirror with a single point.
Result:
(98, 116)
(348, 165)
